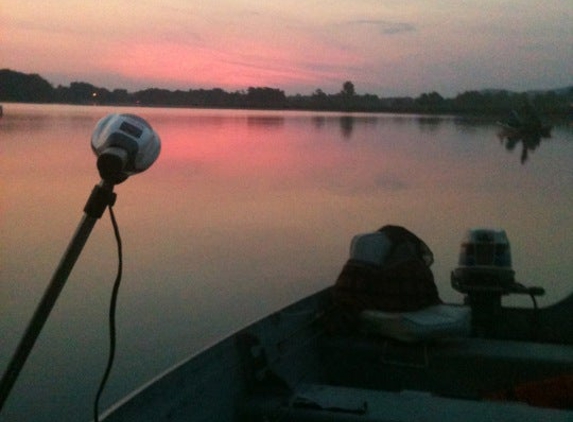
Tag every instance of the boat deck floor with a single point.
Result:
(334, 403)
(373, 379)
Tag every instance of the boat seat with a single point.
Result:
(431, 323)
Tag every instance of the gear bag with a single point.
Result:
(388, 270)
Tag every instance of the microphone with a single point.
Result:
(125, 144)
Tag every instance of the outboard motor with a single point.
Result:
(484, 263)
(484, 274)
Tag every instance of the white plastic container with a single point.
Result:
(372, 248)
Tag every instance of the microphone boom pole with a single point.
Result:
(125, 144)
(102, 195)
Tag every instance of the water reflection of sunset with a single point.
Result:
(255, 147)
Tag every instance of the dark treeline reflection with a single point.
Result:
(347, 125)
(529, 142)
(348, 122)
(267, 121)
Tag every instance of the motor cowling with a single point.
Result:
(484, 262)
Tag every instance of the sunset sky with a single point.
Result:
(385, 47)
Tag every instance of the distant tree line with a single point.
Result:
(20, 87)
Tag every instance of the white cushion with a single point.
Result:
(430, 323)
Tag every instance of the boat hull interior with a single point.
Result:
(289, 366)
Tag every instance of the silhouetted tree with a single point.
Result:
(265, 97)
(348, 89)
(433, 99)
(469, 101)
(121, 96)
(21, 87)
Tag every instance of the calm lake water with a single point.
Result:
(244, 212)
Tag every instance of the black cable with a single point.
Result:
(535, 307)
(112, 308)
